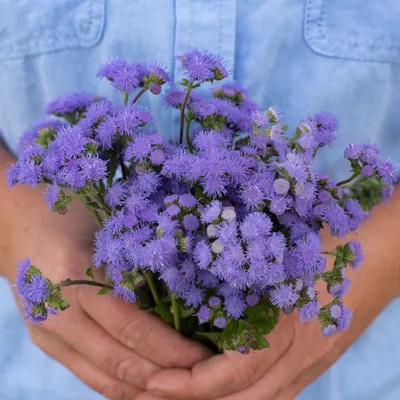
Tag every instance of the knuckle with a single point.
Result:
(113, 391)
(134, 335)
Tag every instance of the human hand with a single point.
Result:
(111, 346)
(298, 352)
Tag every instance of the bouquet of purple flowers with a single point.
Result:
(217, 232)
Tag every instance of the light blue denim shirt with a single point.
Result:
(304, 55)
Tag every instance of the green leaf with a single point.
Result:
(89, 273)
(263, 317)
(163, 309)
(103, 290)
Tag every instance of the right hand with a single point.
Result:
(110, 345)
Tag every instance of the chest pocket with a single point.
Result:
(30, 27)
(364, 30)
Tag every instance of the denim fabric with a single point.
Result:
(304, 55)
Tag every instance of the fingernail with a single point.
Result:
(158, 393)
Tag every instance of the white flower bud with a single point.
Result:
(217, 247)
(211, 231)
(228, 213)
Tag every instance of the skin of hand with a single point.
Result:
(298, 353)
(110, 345)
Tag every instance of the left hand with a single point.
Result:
(298, 353)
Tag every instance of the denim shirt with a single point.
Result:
(304, 55)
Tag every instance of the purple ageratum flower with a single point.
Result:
(309, 311)
(369, 153)
(71, 141)
(93, 168)
(279, 205)
(116, 194)
(295, 166)
(173, 210)
(305, 190)
(339, 289)
(356, 213)
(202, 255)
(387, 193)
(70, 103)
(130, 117)
(232, 90)
(125, 293)
(367, 170)
(166, 224)
(178, 165)
(252, 300)
(310, 292)
(111, 68)
(281, 186)
(21, 282)
(260, 118)
(187, 200)
(276, 246)
(202, 66)
(174, 98)
(353, 151)
(386, 171)
(329, 330)
(52, 194)
(148, 182)
(283, 296)
(160, 254)
(214, 301)
(326, 125)
(205, 140)
(139, 149)
(345, 318)
(206, 108)
(106, 132)
(337, 219)
(37, 290)
(158, 71)
(255, 225)
(252, 196)
(324, 196)
(259, 141)
(335, 311)
(204, 314)
(358, 254)
(191, 222)
(157, 157)
(308, 253)
(234, 306)
(211, 212)
(274, 114)
(220, 322)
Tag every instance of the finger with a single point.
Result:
(223, 374)
(212, 378)
(106, 353)
(96, 379)
(149, 396)
(142, 332)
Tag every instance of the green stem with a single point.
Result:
(189, 142)
(348, 180)
(150, 281)
(94, 213)
(126, 97)
(81, 282)
(330, 253)
(138, 95)
(182, 118)
(176, 312)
